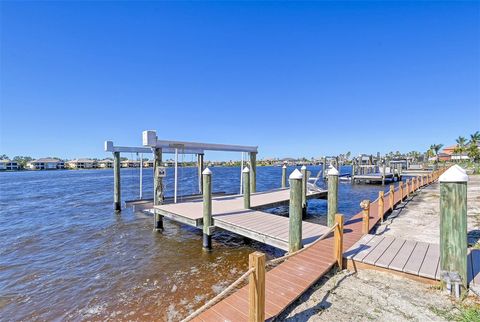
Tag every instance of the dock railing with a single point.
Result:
(256, 275)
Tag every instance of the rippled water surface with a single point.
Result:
(65, 255)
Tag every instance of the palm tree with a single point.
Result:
(436, 148)
(461, 144)
(475, 137)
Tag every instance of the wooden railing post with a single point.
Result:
(453, 222)
(295, 212)
(256, 288)
(338, 240)
(381, 203)
(246, 188)
(400, 184)
(284, 176)
(365, 205)
(391, 197)
(207, 208)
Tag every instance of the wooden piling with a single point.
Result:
(324, 171)
(381, 203)
(200, 166)
(407, 186)
(391, 197)
(256, 288)
(253, 172)
(207, 208)
(284, 176)
(402, 196)
(117, 191)
(158, 188)
(246, 188)
(365, 205)
(383, 173)
(353, 172)
(295, 212)
(332, 198)
(453, 222)
(304, 191)
(338, 240)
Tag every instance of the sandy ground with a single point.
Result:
(373, 295)
(419, 219)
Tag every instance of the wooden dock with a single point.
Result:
(191, 212)
(287, 281)
(374, 177)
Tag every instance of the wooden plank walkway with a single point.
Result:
(287, 281)
(191, 212)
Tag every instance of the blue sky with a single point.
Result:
(296, 79)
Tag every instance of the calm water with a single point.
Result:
(65, 255)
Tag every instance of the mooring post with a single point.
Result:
(400, 184)
(407, 186)
(158, 188)
(200, 157)
(207, 208)
(353, 172)
(295, 212)
(246, 188)
(453, 222)
(332, 198)
(365, 205)
(338, 240)
(253, 172)
(383, 173)
(381, 204)
(256, 288)
(391, 196)
(324, 171)
(284, 176)
(304, 190)
(117, 191)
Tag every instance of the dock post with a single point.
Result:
(337, 163)
(353, 172)
(246, 188)
(158, 188)
(381, 204)
(253, 172)
(295, 212)
(365, 205)
(407, 186)
(332, 198)
(383, 173)
(284, 176)
(338, 240)
(304, 190)
(200, 157)
(256, 288)
(324, 171)
(400, 184)
(453, 222)
(117, 191)
(207, 208)
(391, 196)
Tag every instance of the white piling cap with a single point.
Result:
(454, 174)
(207, 171)
(296, 175)
(460, 168)
(303, 167)
(246, 170)
(332, 171)
(284, 166)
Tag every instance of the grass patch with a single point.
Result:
(460, 313)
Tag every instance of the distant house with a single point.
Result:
(8, 165)
(148, 164)
(82, 164)
(105, 164)
(449, 154)
(130, 164)
(46, 164)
